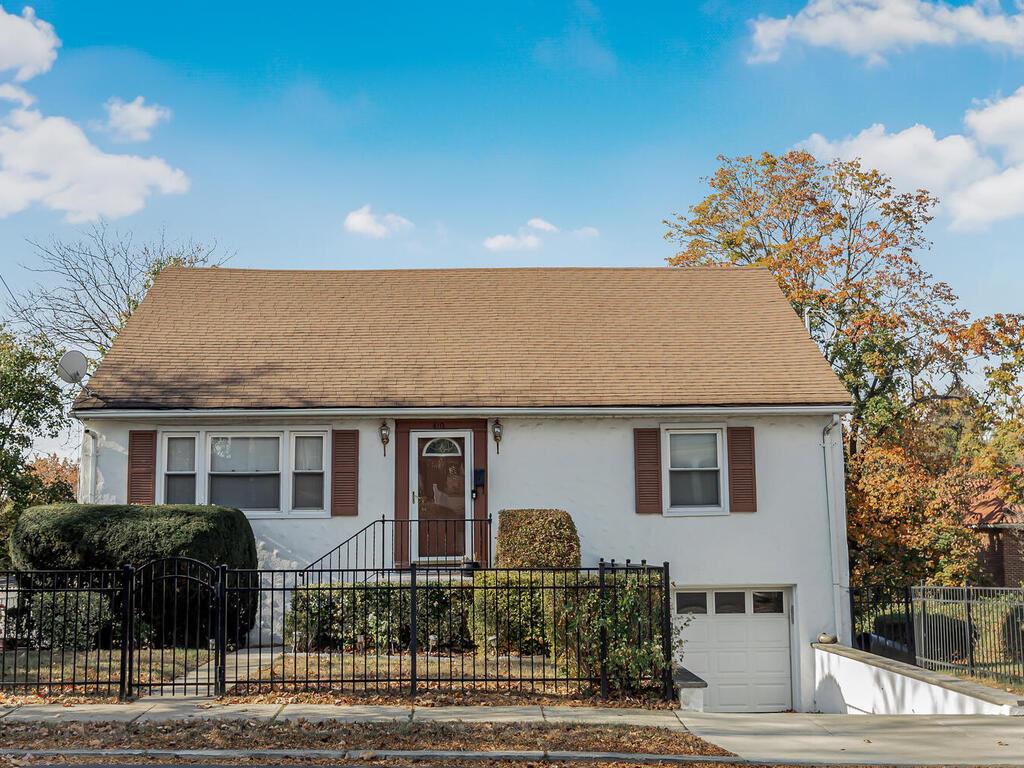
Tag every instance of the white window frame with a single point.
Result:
(282, 506)
(165, 453)
(325, 463)
(204, 434)
(719, 430)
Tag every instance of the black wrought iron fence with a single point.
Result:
(596, 631)
(883, 620)
(975, 631)
(181, 626)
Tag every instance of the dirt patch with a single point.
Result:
(249, 734)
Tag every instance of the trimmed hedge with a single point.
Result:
(537, 538)
(107, 536)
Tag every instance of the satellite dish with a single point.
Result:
(72, 366)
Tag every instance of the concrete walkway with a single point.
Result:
(786, 737)
(908, 739)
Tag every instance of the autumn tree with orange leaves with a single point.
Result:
(937, 395)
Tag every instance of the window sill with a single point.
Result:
(299, 514)
(699, 512)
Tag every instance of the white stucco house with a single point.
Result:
(679, 415)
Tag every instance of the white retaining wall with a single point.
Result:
(850, 681)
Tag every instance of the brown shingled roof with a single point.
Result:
(990, 507)
(242, 338)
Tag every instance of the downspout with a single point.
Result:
(838, 601)
(89, 478)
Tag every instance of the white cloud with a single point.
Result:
(586, 233)
(578, 46)
(978, 174)
(541, 225)
(524, 241)
(870, 28)
(1000, 124)
(27, 45)
(50, 161)
(11, 92)
(364, 221)
(914, 157)
(133, 120)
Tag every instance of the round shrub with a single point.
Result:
(107, 536)
(537, 538)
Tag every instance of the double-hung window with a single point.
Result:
(694, 471)
(307, 472)
(245, 472)
(180, 469)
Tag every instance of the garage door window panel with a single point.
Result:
(769, 602)
(691, 603)
(730, 602)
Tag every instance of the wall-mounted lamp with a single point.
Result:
(385, 435)
(498, 431)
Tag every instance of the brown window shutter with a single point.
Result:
(142, 467)
(742, 476)
(647, 468)
(344, 472)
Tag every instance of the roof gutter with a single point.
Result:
(453, 412)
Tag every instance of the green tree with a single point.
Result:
(31, 407)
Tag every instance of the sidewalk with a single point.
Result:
(784, 737)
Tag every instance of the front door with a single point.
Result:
(441, 494)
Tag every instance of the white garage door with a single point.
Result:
(738, 641)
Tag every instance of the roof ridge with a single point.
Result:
(600, 268)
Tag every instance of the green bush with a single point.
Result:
(1011, 633)
(630, 615)
(509, 613)
(107, 536)
(334, 617)
(537, 538)
(70, 619)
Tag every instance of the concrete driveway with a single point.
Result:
(908, 739)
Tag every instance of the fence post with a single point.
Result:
(970, 630)
(602, 618)
(412, 629)
(124, 690)
(220, 635)
(666, 630)
(908, 620)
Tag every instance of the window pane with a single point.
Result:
(730, 602)
(309, 454)
(308, 491)
(693, 451)
(181, 454)
(244, 454)
(768, 602)
(246, 491)
(691, 602)
(180, 489)
(694, 488)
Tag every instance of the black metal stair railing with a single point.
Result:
(390, 543)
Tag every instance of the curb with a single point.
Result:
(434, 754)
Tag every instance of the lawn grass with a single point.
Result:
(97, 670)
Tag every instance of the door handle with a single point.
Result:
(414, 498)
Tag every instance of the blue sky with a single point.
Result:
(459, 123)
